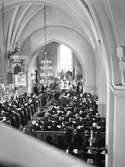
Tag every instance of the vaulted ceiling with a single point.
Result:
(68, 22)
(81, 24)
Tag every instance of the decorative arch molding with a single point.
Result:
(61, 26)
(102, 21)
(73, 40)
(86, 31)
(35, 54)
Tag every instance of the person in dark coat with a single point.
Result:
(36, 90)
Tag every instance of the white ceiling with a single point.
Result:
(24, 24)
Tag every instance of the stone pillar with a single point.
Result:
(115, 127)
(119, 127)
(110, 128)
(101, 81)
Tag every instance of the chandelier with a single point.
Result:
(45, 32)
(46, 64)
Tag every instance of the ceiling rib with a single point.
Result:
(18, 24)
(11, 27)
(24, 25)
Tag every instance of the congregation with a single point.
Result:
(68, 120)
(17, 112)
(76, 114)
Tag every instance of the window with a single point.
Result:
(65, 59)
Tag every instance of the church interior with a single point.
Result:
(62, 83)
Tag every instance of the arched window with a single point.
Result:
(65, 58)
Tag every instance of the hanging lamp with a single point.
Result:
(46, 64)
